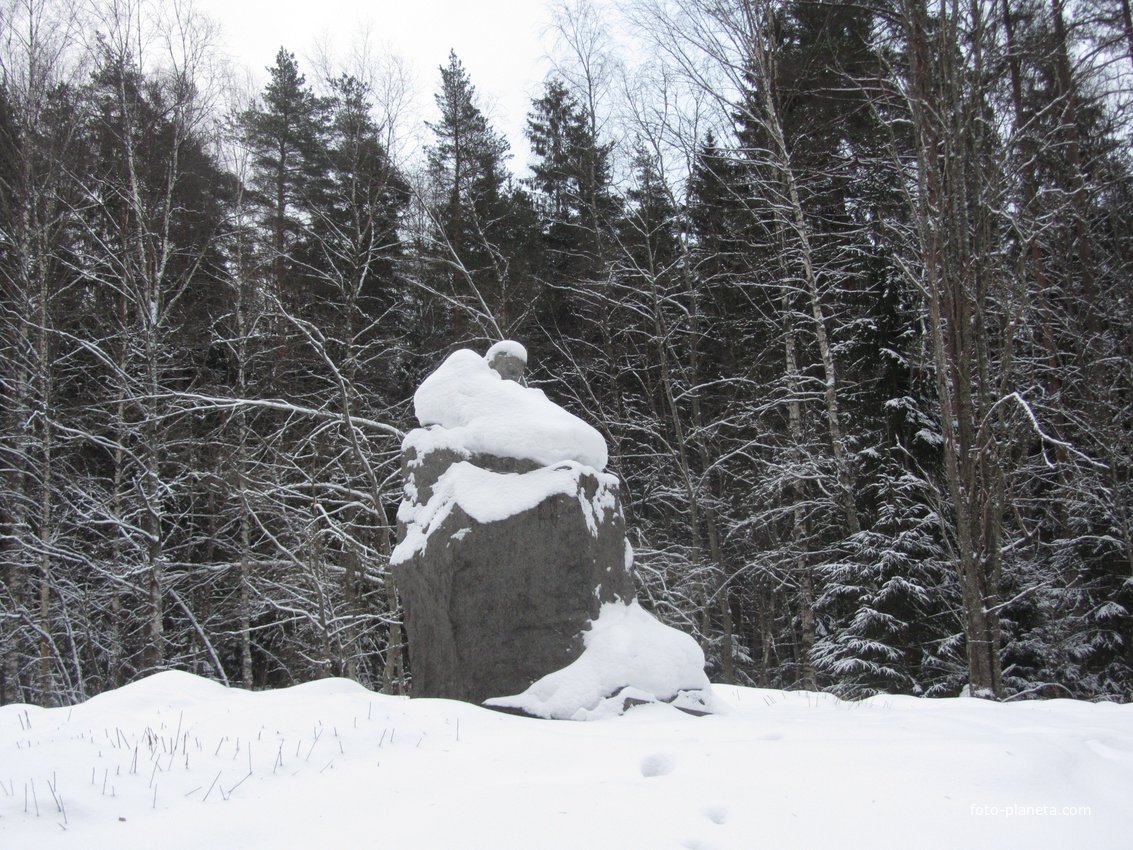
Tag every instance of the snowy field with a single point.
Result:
(176, 761)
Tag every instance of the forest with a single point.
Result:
(847, 288)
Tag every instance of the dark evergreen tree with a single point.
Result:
(571, 180)
(577, 212)
(287, 135)
(484, 235)
(355, 209)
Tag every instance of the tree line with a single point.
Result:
(848, 288)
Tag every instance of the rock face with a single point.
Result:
(504, 559)
(491, 606)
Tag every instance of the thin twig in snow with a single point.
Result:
(317, 736)
(238, 784)
(211, 787)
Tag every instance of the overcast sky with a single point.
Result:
(497, 40)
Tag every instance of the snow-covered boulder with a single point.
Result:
(512, 565)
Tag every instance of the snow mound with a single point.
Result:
(629, 654)
(484, 414)
(178, 763)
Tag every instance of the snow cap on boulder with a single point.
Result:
(482, 413)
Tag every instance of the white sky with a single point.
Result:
(497, 40)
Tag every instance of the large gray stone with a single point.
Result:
(491, 607)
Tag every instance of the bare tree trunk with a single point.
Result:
(241, 310)
(798, 243)
(946, 104)
(714, 594)
(1068, 94)
(801, 568)
(1127, 20)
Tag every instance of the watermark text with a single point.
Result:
(1021, 811)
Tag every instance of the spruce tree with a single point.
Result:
(570, 177)
(287, 135)
(351, 243)
(483, 239)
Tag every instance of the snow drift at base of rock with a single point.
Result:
(629, 654)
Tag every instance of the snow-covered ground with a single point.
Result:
(175, 761)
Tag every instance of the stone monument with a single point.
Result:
(512, 550)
